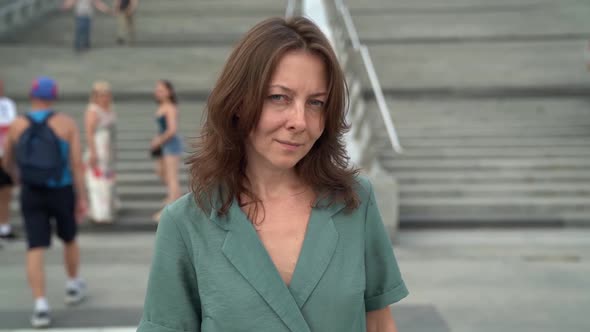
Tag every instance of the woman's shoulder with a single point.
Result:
(92, 107)
(363, 187)
(165, 108)
(184, 208)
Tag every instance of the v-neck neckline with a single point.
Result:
(246, 252)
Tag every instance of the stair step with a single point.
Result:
(580, 203)
(508, 175)
(572, 163)
(539, 189)
(523, 142)
(487, 152)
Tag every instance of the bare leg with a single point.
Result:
(72, 258)
(131, 28)
(171, 163)
(5, 197)
(159, 168)
(36, 272)
(121, 22)
(160, 172)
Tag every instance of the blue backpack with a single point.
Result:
(38, 154)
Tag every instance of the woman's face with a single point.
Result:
(103, 97)
(292, 117)
(161, 91)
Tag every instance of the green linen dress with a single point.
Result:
(211, 273)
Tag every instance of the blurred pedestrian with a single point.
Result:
(7, 116)
(166, 146)
(83, 10)
(99, 157)
(44, 145)
(125, 11)
(279, 233)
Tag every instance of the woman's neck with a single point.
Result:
(104, 106)
(269, 184)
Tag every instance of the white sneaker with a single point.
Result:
(40, 319)
(75, 295)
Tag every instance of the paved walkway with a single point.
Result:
(459, 281)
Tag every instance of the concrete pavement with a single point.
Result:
(461, 281)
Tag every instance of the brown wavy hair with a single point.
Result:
(218, 163)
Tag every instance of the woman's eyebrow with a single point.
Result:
(282, 87)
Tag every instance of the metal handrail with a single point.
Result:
(17, 5)
(372, 74)
(290, 11)
(16, 11)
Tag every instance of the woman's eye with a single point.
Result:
(277, 97)
(316, 103)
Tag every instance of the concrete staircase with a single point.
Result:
(491, 104)
(489, 99)
(182, 40)
(510, 162)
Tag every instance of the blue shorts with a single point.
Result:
(39, 206)
(173, 146)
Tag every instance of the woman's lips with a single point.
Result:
(289, 145)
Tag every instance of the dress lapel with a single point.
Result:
(243, 249)
(320, 243)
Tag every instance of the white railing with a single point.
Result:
(22, 12)
(346, 19)
(291, 8)
(363, 141)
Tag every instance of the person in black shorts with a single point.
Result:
(47, 140)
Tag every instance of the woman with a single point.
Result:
(100, 154)
(7, 115)
(166, 146)
(278, 234)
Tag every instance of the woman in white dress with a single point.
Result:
(100, 154)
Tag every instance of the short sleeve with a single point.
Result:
(384, 284)
(172, 300)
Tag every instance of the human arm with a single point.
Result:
(171, 115)
(116, 6)
(380, 320)
(68, 4)
(102, 6)
(384, 284)
(90, 123)
(172, 300)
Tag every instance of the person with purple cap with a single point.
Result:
(43, 148)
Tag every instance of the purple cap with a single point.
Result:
(44, 88)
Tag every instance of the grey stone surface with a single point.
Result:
(490, 103)
(482, 93)
(415, 21)
(452, 5)
(509, 280)
(129, 69)
(459, 281)
(153, 29)
(493, 159)
(481, 65)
